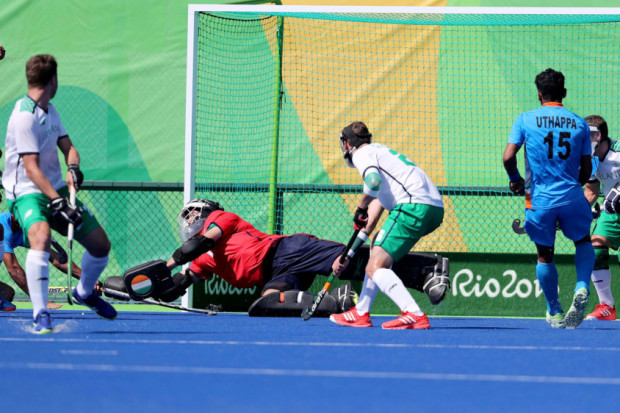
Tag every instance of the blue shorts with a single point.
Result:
(297, 259)
(574, 220)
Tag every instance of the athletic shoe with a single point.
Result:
(345, 296)
(352, 318)
(43, 323)
(555, 321)
(576, 312)
(101, 307)
(408, 321)
(602, 312)
(6, 305)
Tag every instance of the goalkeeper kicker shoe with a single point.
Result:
(101, 307)
(43, 323)
(345, 296)
(408, 321)
(555, 321)
(602, 312)
(575, 314)
(352, 318)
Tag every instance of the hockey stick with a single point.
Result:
(70, 232)
(307, 313)
(125, 296)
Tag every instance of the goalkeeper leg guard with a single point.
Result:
(291, 304)
(345, 296)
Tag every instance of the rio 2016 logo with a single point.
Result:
(466, 284)
(217, 286)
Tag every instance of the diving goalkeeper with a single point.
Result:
(221, 243)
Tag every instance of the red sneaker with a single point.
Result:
(408, 321)
(602, 312)
(351, 318)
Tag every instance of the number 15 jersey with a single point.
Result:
(554, 140)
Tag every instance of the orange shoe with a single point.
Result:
(408, 321)
(351, 318)
(602, 312)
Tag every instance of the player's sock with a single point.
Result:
(392, 286)
(37, 276)
(92, 267)
(584, 263)
(367, 296)
(602, 282)
(547, 275)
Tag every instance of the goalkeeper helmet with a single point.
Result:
(193, 216)
(356, 134)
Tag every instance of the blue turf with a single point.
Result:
(178, 362)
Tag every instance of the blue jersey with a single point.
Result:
(554, 139)
(12, 239)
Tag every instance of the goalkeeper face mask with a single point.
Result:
(193, 217)
(595, 138)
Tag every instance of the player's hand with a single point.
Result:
(2, 52)
(360, 219)
(64, 212)
(518, 187)
(98, 287)
(338, 267)
(612, 200)
(76, 175)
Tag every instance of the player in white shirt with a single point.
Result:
(392, 182)
(606, 233)
(37, 193)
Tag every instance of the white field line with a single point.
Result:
(307, 344)
(90, 352)
(390, 375)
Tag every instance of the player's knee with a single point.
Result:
(545, 253)
(601, 258)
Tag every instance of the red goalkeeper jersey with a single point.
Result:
(238, 255)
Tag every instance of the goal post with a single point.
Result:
(270, 87)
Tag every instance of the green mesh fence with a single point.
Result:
(442, 89)
(139, 219)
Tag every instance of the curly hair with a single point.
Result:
(550, 84)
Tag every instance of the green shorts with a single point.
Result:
(405, 225)
(31, 208)
(608, 226)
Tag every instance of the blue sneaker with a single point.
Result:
(576, 312)
(43, 323)
(6, 305)
(101, 307)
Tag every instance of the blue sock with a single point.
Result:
(584, 263)
(547, 276)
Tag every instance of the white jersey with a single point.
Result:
(608, 171)
(402, 182)
(32, 131)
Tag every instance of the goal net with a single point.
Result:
(270, 87)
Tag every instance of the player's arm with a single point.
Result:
(517, 184)
(195, 247)
(585, 170)
(16, 271)
(592, 191)
(36, 175)
(72, 157)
